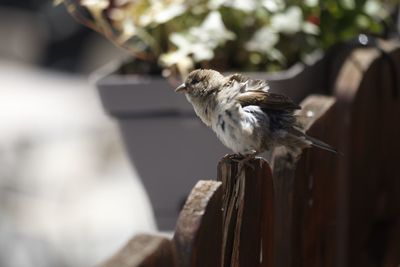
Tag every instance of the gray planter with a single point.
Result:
(170, 148)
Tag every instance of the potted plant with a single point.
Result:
(280, 41)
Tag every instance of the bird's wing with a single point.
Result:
(247, 84)
(266, 100)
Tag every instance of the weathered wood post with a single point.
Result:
(247, 213)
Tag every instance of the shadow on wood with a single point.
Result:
(305, 192)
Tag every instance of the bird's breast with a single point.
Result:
(202, 110)
(241, 132)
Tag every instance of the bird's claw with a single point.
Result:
(241, 160)
(245, 161)
(233, 157)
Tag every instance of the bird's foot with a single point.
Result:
(233, 157)
(245, 161)
(242, 160)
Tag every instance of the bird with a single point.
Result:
(246, 117)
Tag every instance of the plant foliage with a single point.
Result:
(246, 35)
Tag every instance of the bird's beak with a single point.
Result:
(181, 88)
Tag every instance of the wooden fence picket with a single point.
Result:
(244, 206)
(304, 190)
(198, 234)
(367, 90)
(144, 251)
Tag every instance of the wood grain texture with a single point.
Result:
(198, 233)
(144, 251)
(247, 217)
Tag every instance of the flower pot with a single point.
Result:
(168, 145)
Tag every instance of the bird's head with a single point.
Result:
(200, 83)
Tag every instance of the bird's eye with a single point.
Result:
(195, 81)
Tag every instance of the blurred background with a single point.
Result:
(68, 196)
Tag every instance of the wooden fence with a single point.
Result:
(321, 210)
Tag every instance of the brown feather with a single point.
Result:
(267, 101)
(238, 77)
(254, 84)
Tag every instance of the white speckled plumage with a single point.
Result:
(245, 116)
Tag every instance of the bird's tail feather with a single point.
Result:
(318, 143)
(314, 141)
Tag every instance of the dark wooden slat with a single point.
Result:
(283, 179)
(371, 178)
(316, 194)
(198, 233)
(267, 219)
(247, 213)
(392, 257)
(304, 190)
(144, 251)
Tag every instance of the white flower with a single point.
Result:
(128, 29)
(288, 22)
(199, 42)
(244, 5)
(161, 12)
(178, 39)
(375, 9)
(215, 4)
(263, 40)
(172, 58)
(273, 5)
(186, 47)
(311, 3)
(202, 52)
(98, 4)
(310, 28)
(277, 55)
(95, 7)
(212, 30)
(169, 13)
(348, 4)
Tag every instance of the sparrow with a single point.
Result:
(245, 116)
